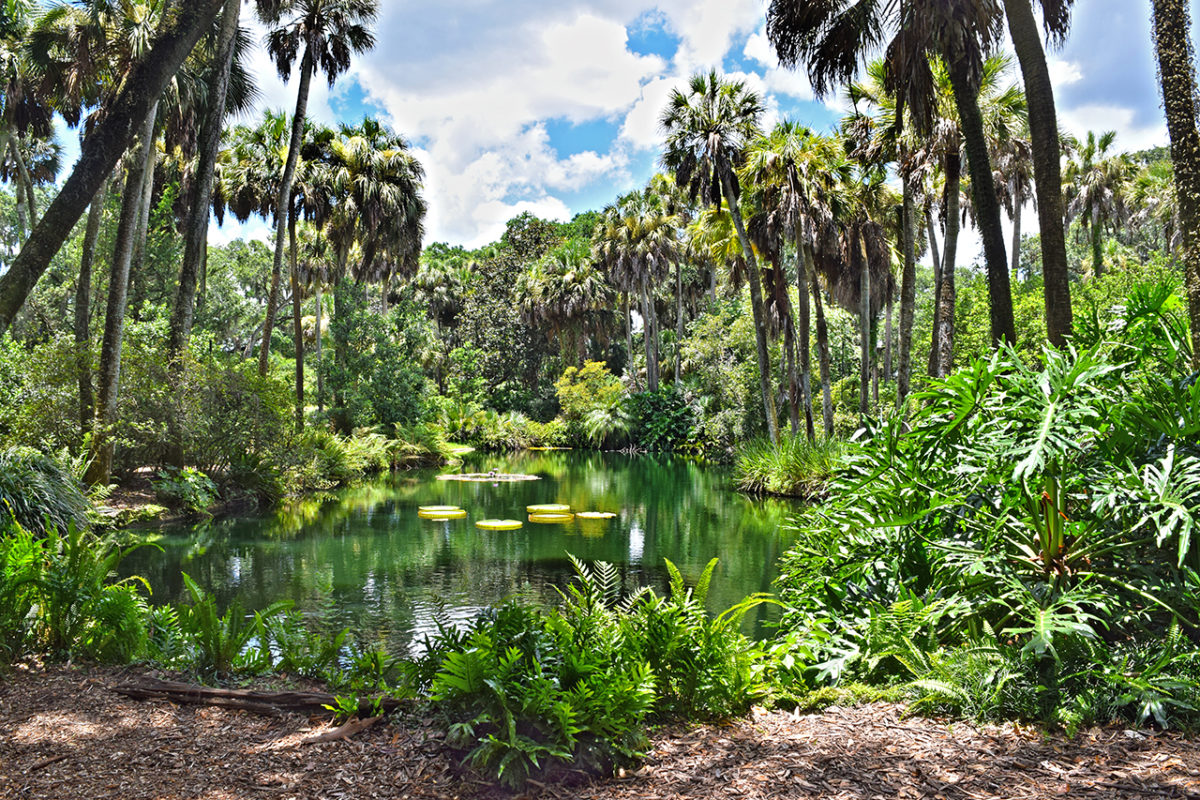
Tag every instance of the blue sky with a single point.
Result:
(553, 108)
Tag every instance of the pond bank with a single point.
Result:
(65, 734)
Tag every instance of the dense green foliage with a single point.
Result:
(1025, 544)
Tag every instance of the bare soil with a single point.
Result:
(65, 734)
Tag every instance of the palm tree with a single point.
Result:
(328, 32)
(635, 242)
(679, 208)
(1094, 185)
(125, 112)
(1014, 180)
(832, 39)
(707, 131)
(1177, 74)
(565, 292)
(1044, 136)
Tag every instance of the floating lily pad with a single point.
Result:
(551, 518)
(438, 509)
(442, 516)
(548, 508)
(498, 524)
(595, 514)
(485, 477)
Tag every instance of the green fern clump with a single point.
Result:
(527, 689)
(793, 467)
(37, 490)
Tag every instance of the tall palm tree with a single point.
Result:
(566, 292)
(707, 131)
(1094, 186)
(324, 34)
(636, 242)
(1177, 75)
(1014, 181)
(1047, 157)
(125, 113)
(832, 38)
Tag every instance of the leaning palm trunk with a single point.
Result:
(805, 336)
(944, 323)
(1016, 240)
(1172, 39)
(754, 278)
(908, 296)
(823, 357)
(283, 206)
(83, 289)
(1097, 244)
(1047, 169)
(118, 294)
(987, 207)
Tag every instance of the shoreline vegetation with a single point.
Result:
(1001, 459)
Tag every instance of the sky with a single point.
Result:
(553, 107)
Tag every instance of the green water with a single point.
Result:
(363, 558)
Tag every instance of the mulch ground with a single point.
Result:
(65, 734)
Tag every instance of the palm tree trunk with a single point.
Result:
(629, 369)
(195, 237)
(1097, 244)
(1177, 72)
(908, 295)
(936, 254)
(945, 311)
(25, 181)
(678, 323)
(1047, 167)
(754, 278)
(864, 323)
(137, 272)
(19, 196)
(823, 357)
(83, 290)
(297, 322)
(141, 87)
(320, 301)
(789, 349)
(987, 207)
(283, 204)
(887, 338)
(1016, 240)
(804, 344)
(648, 340)
(118, 294)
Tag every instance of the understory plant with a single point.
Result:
(1011, 542)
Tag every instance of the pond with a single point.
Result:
(362, 557)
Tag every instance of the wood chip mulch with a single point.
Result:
(65, 734)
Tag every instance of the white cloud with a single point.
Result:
(1100, 117)
(1064, 73)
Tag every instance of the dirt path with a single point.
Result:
(64, 734)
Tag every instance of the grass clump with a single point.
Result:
(795, 467)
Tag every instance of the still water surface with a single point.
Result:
(363, 558)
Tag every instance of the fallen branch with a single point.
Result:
(344, 732)
(252, 700)
(45, 762)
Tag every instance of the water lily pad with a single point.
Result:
(438, 509)
(442, 516)
(548, 508)
(595, 514)
(551, 518)
(498, 524)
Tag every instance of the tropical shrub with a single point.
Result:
(187, 489)
(661, 420)
(793, 467)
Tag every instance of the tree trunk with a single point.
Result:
(754, 278)
(283, 203)
(297, 323)
(823, 357)
(195, 236)
(137, 272)
(1177, 73)
(1047, 167)
(1097, 245)
(789, 350)
(887, 338)
(987, 207)
(629, 368)
(944, 323)
(320, 301)
(101, 150)
(118, 293)
(678, 323)
(83, 321)
(908, 295)
(804, 344)
(648, 340)
(938, 261)
(864, 323)
(23, 226)
(1016, 240)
